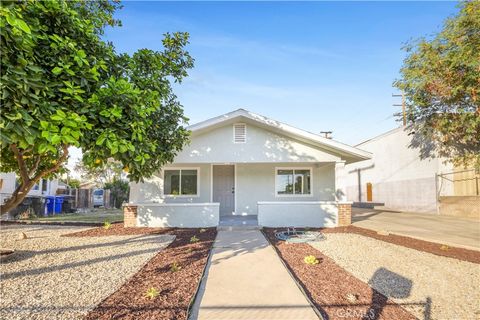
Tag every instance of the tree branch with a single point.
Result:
(56, 166)
(35, 166)
(21, 164)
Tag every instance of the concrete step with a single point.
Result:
(238, 228)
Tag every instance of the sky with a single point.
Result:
(319, 66)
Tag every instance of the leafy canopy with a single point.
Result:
(441, 80)
(62, 85)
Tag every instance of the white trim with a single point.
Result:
(197, 195)
(211, 182)
(234, 134)
(235, 188)
(285, 129)
(304, 195)
(192, 204)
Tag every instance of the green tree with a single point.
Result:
(119, 192)
(62, 85)
(441, 81)
(103, 173)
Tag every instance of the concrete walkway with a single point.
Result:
(246, 280)
(458, 232)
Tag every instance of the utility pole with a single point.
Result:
(326, 134)
(404, 115)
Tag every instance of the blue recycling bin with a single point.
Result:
(58, 204)
(49, 204)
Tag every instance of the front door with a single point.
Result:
(224, 188)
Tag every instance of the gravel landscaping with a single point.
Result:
(54, 277)
(174, 274)
(427, 285)
(336, 293)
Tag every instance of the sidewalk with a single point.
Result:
(246, 280)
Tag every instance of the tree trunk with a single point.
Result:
(27, 183)
(17, 197)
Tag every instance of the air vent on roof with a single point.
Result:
(239, 133)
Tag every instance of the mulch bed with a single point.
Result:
(176, 289)
(327, 285)
(421, 245)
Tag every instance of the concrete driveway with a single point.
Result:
(458, 232)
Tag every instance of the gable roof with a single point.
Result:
(349, 153)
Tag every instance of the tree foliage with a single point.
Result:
(441, 81)
(106, 172)
(62, 85)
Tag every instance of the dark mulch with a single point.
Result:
(327, 285)
(421, 245)
(176, 289)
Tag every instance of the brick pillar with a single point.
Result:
(129, 216)
(344, 213)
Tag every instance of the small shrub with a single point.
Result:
(152, 293)
(175, 267)
(444, 247)
(311, 260)
(203, 230)
(107, 225)
(194, 239)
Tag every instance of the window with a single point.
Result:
(180, 182)
(293, 182)
(239, 133)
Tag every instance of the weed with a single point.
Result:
(107, 225)
(311, 260)
(175, 267)
(194, 239)
(152, 293)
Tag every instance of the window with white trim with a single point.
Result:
(180, 182)
(293, 181)
(239, 133)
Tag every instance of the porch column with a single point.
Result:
(340, 181)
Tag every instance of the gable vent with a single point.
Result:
(239, 133)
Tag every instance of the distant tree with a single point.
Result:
(73, 183)
(62, 85)
(102, 173)
(441, 81)
(119, 190)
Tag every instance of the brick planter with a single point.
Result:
(129, 216)
(344, 214)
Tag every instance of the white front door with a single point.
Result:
(224, 188)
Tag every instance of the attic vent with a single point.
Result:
(239, 133)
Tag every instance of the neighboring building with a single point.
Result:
(244, 164)
(8, 183)
(395, 175)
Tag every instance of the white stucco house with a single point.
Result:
(244, 165)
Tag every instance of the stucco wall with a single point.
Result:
(399, 177)
(256, 182)
(191, 215)
(288, 214)
(151, 190)
(217, 146)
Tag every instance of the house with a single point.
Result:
(399, 179)
(241, 164)
(8, 183)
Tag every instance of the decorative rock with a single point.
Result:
(352, 298)
(22, 236)
(383, 232)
